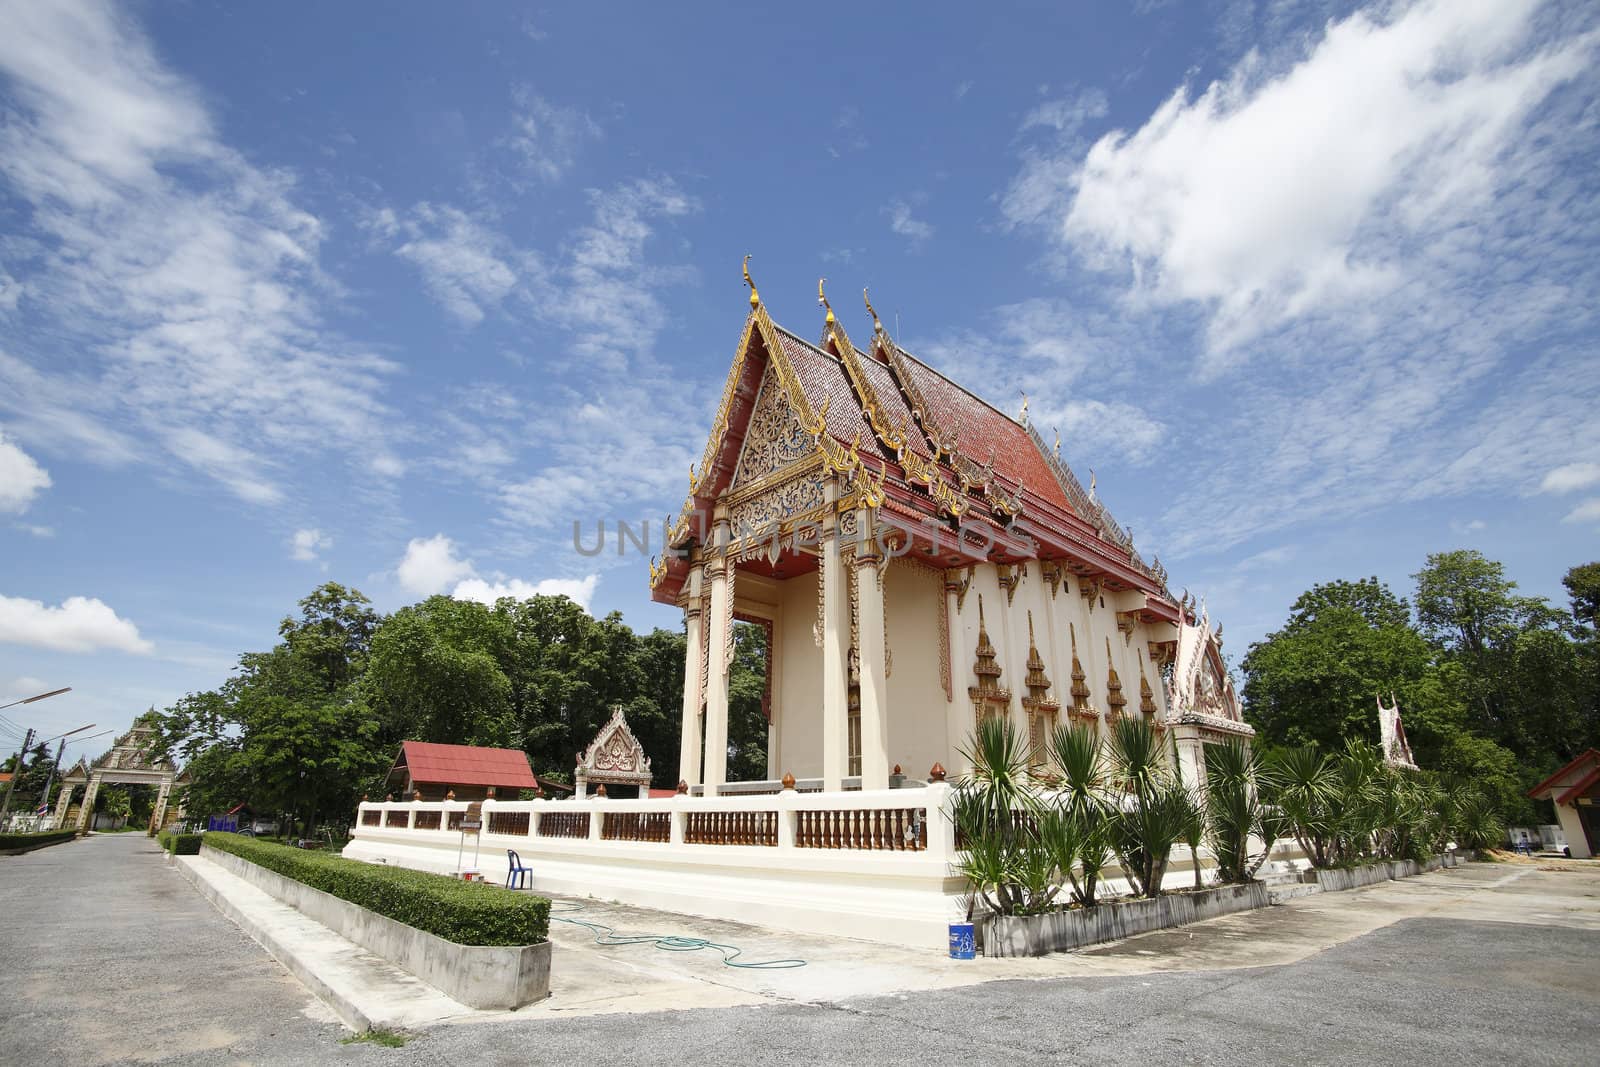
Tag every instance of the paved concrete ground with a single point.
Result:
(109, 955)
(1431, 970)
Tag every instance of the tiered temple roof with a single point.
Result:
(966, 482)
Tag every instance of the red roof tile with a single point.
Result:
(437, 764)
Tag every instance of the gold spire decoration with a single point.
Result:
(1057, 450)
(1080, 679)
(822, 298)
(755, 297)
(988, 698)
(1147, 697)
(1037, 679)
(877, 327)
(1115, 701)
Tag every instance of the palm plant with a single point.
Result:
(1234, 772)
(1080, 763)
(1150, 815)
(997, 817)
(1306, 793)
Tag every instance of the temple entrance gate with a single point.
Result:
(128, 763)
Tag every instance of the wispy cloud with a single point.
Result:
(1351, 274)
(1570, 477)
(547, 137)
(77, 624)
(467, 266)
(1285, 189)
(904, 222)
(1588, 511)
(176, 282)
(21, 478)
(308, 545)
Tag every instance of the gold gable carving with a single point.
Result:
(775, 436)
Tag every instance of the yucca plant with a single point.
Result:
(996, 814)
(1234, 808)
(1075, 751)
(1305, 793)
(1192, 803)
(1150, 815)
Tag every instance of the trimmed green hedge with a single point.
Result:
(468, 913)
(38, 840)
(180, 844)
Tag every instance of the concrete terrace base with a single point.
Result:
(1036, 935)
(479, 976)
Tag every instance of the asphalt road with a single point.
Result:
(111, 957)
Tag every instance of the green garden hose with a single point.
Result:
(605, 935)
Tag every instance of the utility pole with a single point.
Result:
(51, 778)
(16, 773)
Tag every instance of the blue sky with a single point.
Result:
(391, 296)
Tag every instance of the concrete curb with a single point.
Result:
(342, 1005)
(365, 991)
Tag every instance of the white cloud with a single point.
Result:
(21, 478)
(466, 267)
(548, 136)
(78, 624)
(305, 545)
(1571, 477)
(1066, 115)
(1290, 188)
(175, 283)
(1588, 511)
(431, 566)
(580, 590)
(1462, 527)
(904, 223)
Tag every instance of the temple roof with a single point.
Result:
(923, 447)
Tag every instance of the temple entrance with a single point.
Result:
(128, 763)
(750, 701)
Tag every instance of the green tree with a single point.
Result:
(747, 688)
(1315, 681)
(435, 674)
(117, 804)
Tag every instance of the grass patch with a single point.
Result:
(386, 1038)
(467, 913)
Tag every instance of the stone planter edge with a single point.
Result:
(479, 976)
(1060, 931)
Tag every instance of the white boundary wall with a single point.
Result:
(828, 870)
(855, 887)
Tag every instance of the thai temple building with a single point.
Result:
(921, 560)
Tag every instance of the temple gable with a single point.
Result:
(774, 437)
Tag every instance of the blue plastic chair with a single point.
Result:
(517, 876)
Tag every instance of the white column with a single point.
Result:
(874, 681)
(161, 804)
(835, 636)
(694, 655)
(716, 763)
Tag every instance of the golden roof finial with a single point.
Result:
(755, 297)
(822, 298)
(876, 325)
(1057, 450)
(1022, 416)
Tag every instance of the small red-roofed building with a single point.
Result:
(468, 771)
(1575, 792)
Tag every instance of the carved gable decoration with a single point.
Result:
(775, 436)
(615, 755)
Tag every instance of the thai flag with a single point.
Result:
(43, 808)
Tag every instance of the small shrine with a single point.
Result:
(1396, 749)
(614, 758)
